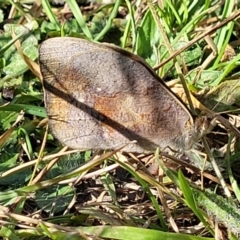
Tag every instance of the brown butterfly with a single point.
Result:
(102, 97)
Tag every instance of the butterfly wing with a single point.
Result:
(100, 98)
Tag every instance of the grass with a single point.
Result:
(50, 192)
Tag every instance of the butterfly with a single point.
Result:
(100, 96)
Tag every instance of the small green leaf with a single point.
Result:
(148, 39)
(54, 198)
